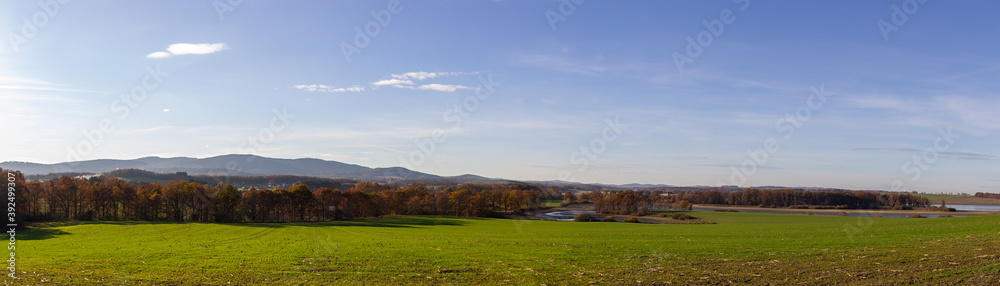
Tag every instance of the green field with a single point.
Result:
(742, 248)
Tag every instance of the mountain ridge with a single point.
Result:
(230, 164)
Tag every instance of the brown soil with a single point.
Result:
(971, 201)
(855, 211)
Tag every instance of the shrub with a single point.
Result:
(609, 219)
(632, 219)
(682, 217)
(843, 213)
(582, 217)
(917, 216)
(642, 213)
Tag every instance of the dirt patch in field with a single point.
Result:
(849, 211)
(970, 201)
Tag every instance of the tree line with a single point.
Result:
(988, 195)
(802, 198)
(621, 202)
(113, 199)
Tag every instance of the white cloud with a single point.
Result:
(394, 82)
(158, 55)
(443, 87)
(196, 49)
(327, 88)
(188, 49)
(166, 110)
(424, 75)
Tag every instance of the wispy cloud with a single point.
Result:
(562, 64)
(425, 75)
(443, 87)
(975, 112)
(188, 49)
(886, 149)
(158, 55)
(960, 155)
(400, 83)
(327, 88)
(728, 166)
(406, 80)
(27, 84)
(884, 102)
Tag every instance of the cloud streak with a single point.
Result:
(443, 87)
(407, 81)
(327, 88)
(188, 49)
(960, 155)
(424, 75)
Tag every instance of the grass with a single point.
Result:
(742, 248)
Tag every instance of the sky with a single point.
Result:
(888, 95)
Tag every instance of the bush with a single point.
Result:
(642, 213)
(682, 217)
(609, 219)
(632, 219)
(842, 213)
(917, 216)
(582, 217)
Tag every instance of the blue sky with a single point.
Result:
(521, 89)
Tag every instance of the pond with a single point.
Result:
(983, 208)
(562, 215)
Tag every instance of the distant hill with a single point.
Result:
(227, 165)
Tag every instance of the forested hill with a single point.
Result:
(227, 165)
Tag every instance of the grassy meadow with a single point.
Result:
(742, 248)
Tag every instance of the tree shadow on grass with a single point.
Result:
(389, 221)
(39, 233)
(46, 230)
